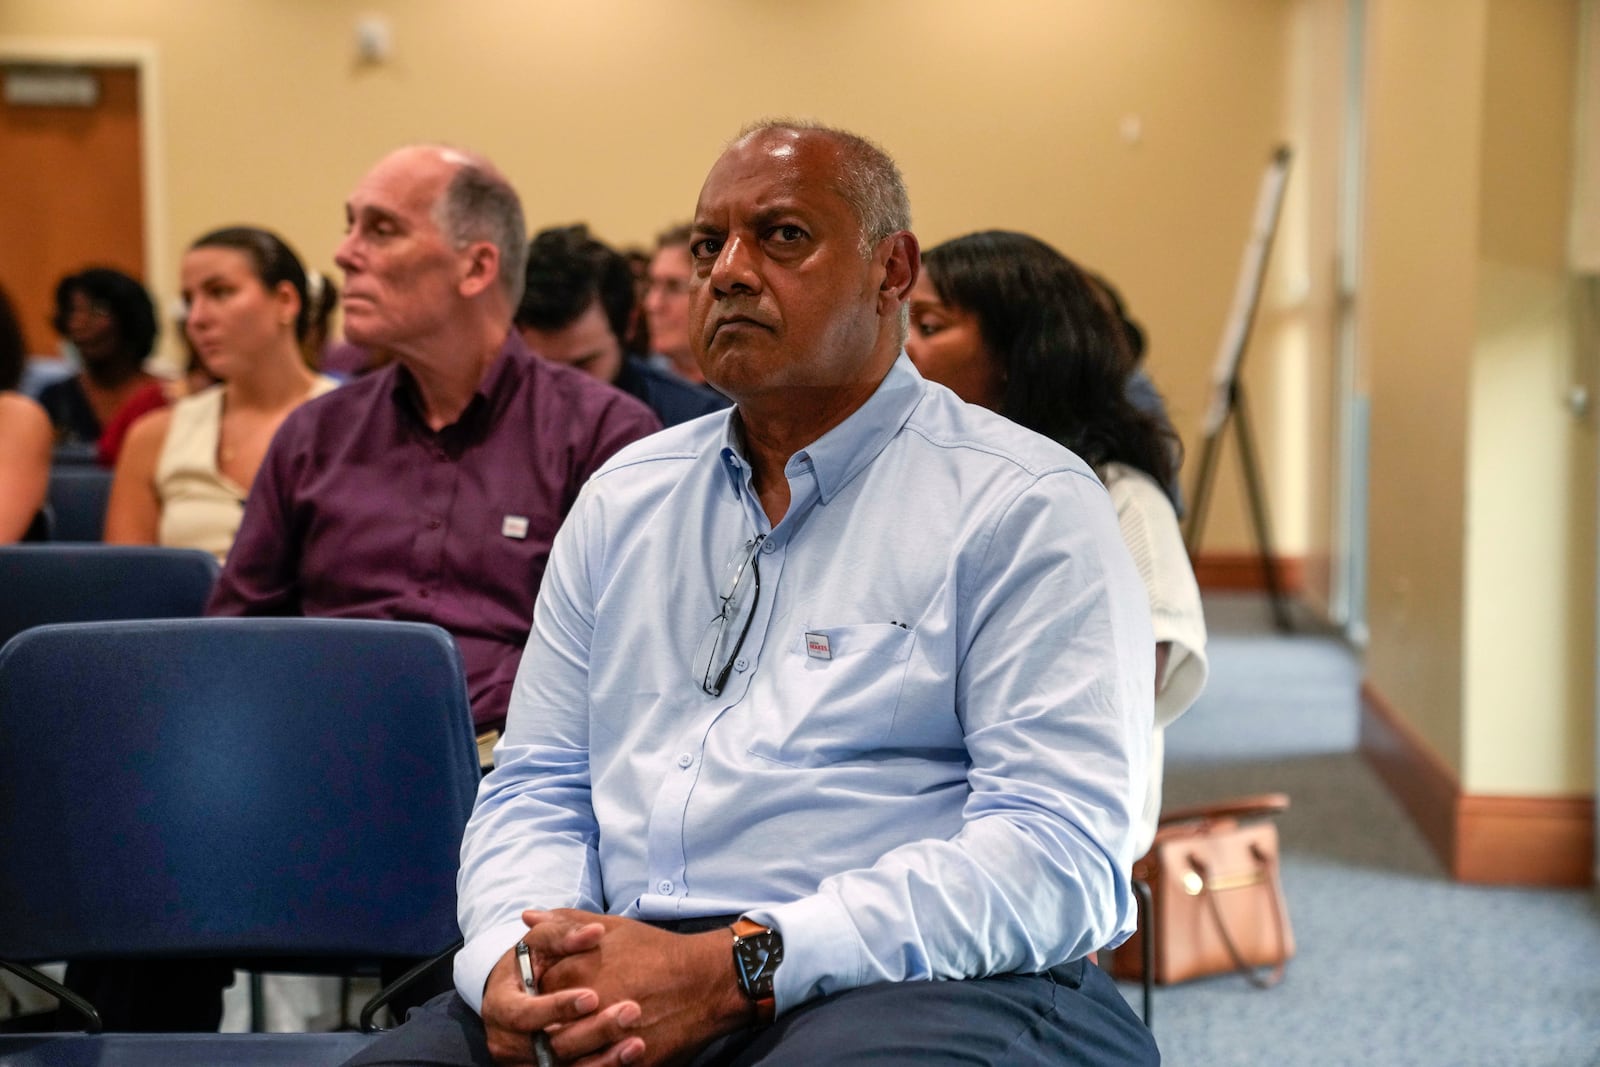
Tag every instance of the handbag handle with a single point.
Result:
(1261, 978)
(1251, 807)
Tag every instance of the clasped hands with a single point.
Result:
(613, 991)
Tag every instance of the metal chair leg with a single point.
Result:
(1147, 946)
(258, 1004)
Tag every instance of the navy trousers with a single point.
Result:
(1072, 1015)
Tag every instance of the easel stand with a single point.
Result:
(1227, 390)
(1237, 414)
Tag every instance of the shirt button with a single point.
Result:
(769, 546)
(665, 888)
(422, 593)
(433, 524)
(741, 664)
(685, 760)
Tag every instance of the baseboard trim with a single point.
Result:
(1544, 841)
(1425, 786)
(1488, 840)
(1242, 572)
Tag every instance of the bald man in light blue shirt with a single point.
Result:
(832, 727)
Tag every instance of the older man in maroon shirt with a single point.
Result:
(429, 490)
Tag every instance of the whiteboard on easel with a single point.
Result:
(1248, 291)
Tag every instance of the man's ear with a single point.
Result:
(481, 268)
(901, 266)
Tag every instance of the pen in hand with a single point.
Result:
(542, 1052)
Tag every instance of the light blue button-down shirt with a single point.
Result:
(948, 792)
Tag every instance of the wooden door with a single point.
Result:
(71, 196)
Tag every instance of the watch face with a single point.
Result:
(756, 958)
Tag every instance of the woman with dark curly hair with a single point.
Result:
(24, 437)
(1007, 322)
(111, 321)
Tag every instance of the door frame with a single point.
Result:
(1349, 585)
(142, 56)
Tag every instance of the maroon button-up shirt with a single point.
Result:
(361, 511)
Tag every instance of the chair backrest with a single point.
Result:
(76, 454)
(44, 522)
(46, 583)
(253, 789)
(78, 495)
(180, 1050)
(40, 371)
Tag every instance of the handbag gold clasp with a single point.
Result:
(1194, 885)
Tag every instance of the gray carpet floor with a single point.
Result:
(1396, 963)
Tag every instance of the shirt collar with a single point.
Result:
(844, 451)
(488, 399)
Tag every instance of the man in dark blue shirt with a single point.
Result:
(575, 310)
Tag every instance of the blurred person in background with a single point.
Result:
(25, 439)
(186, 470)
(576, 309)
(322, 296)
(111, 322)
(1008, 323)
(1141, 390)
(637, 339)
(666, 306)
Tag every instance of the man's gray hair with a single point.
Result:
(869, 180)
(480, 205)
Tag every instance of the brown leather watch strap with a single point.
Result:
(743, 927)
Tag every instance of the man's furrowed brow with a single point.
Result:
(372, 213)
(767, 214)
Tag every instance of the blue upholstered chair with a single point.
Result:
(77, 499)
(77, 454)
(47, 583)
(272, 792)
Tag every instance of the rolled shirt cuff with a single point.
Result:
(822, 953)
(478, 957)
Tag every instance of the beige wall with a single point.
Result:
(1481, 590)
(1419, 287)
(1006, 114)
(1529, 659)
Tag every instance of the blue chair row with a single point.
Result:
(51, 583)
(272, 792)
(75, 503)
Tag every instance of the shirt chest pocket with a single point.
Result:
(834, 694)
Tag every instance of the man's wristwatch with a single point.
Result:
(757, 951)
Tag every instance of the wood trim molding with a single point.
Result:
(1545, 841)
(1425, 786)
(1242, 572)
(1489, 840)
